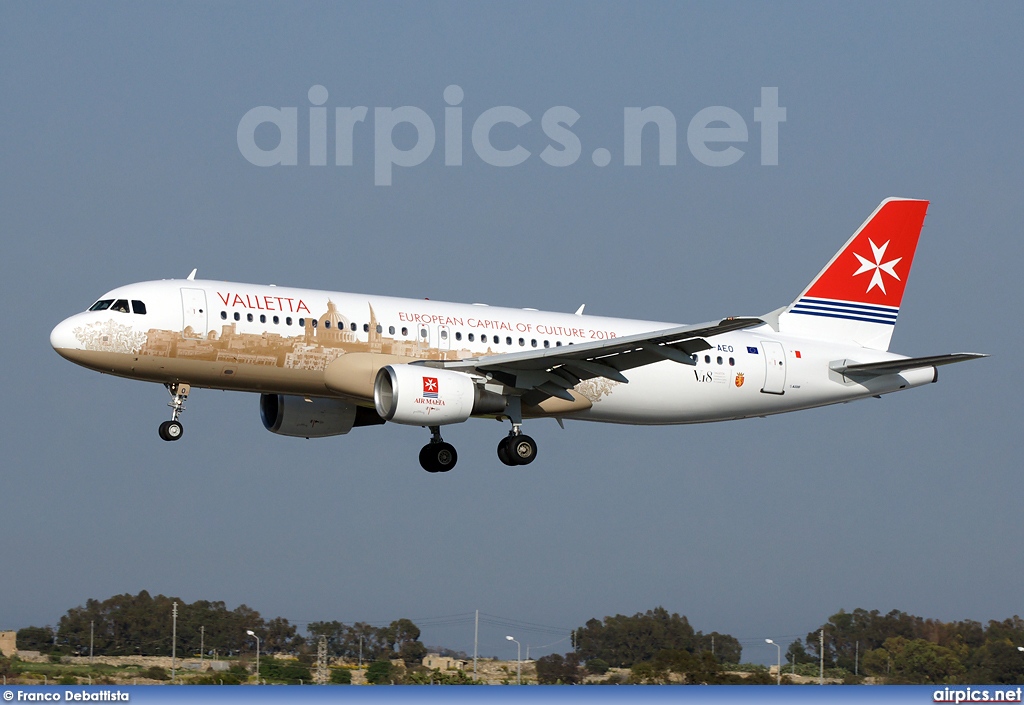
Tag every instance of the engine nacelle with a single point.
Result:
(423, 396)
(289, 415)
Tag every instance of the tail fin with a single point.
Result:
(856, 297)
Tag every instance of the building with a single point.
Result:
(8, 645)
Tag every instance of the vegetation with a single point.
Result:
(622, 641)
(902, 648)
(650, 647)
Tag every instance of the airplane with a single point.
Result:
(326, 362)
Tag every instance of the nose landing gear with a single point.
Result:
(172, 430)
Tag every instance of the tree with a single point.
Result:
(35, 639)
(380, 673)
(341, 676)
(559, 669)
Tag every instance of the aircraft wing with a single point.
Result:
(888, 367)
(553, 371)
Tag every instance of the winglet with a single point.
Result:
(579, 311)
(192, 276)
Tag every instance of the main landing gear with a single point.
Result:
(517, 448)
(438, 456)
(172, 430)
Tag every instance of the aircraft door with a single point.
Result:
(444, 339)
(775, 367)
(193, 307)
(424, 336)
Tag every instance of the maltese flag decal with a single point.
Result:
(430, 387)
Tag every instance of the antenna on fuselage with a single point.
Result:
(192, 276)
(579, 311)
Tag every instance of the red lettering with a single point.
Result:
(302, 307)
(238, 301)
(268, 303)
(224, 298)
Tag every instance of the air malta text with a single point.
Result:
(264, 303)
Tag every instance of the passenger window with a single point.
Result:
(405, 331)
(508, 340)
(302, 322)
(139, 307)
(380, 328)
(121, 306)
(707, 359)
(719, 359)
(533, 343)
(288, 321)
(263, 318)
(522, 342)
(238, 316)
(732, 362)
(327, 324)
(248, 317)
(391, 330)
(101, 305)
(471, 337)
(458, 336)
(444, 335)
(423, 332)
(558, 343)
(223, 315)
(276, 320)
(353, 327)
(313, 322)
(547, 344)
(366, 327)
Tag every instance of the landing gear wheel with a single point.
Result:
(438, 457)
(171, 430)
(503, 451)
(522, 449)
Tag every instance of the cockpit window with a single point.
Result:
(121, 306)
(101, 305)
(138, 307)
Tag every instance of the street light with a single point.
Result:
(778, 668)
(519, 661)
(251, 633)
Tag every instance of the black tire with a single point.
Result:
(445, 456)
(438, 457)
(503, 454)
(522, 449)
(171, 430)
(426, 459)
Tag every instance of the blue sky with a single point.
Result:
(120, 163)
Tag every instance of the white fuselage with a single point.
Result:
(279, 340)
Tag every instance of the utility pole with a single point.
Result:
(321, 660)
(91, 623)
(856, 659)
(202, 640)
(174, 640)
(821, 653)
(476, 639)
(360, 650)
(712, 644)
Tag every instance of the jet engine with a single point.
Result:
(288, 415)
(423, 396)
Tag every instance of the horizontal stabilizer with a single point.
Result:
(888, 367)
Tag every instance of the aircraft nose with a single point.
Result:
(62, 337)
